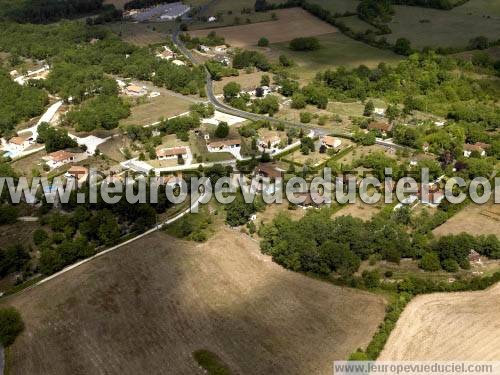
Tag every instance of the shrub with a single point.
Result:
(430, 262)
(263, 42)
(11, 325)
(305, 117)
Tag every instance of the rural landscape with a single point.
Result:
(157, 95)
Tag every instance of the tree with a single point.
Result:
(369, 108)
(261, 6)
(263, 42)
(450, 265)
(285, 61)
(403, 47)
(430, 262)
(11, 325)
(222, 130)
(305, 44)
(231, 91)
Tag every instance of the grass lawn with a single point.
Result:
(361, 151)
(337, 50)
(247, 81)
(442, 28)
(153, 109)
(356, 24)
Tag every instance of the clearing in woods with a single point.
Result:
(448, 326)
(292, 23)
(147, 307)
(473, 219)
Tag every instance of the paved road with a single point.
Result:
(222, 107)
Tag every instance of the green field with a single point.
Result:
(337, 50)
(356, 24)
(337, 6)
(228, 12)
(443, 28)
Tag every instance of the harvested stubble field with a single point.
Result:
(448, 326)
(148, 306)
(473, 219)
(292, 23)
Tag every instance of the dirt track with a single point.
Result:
(454, 326)
(147, 307)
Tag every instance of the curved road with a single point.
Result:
(222, 107)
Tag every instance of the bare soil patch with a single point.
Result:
(147, 307)
(448, 326)
(292, 23)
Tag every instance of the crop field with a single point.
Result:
(448, 326)
(149, 306)
(473, 219)
(433, 27)
(141, 34)
(356, 24)
(337, 50)
(291, 23)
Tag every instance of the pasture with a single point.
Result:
(247, 81)
(147, 307)
(443, 28)
(291, 23)
(447, 326)
(337, 50)
(473, 219)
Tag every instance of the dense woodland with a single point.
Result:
(18, 103)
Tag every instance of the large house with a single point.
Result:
(478, 146)
(224, 145)
(171, 153)
(61, 157)
(77, 172)
(330, 142)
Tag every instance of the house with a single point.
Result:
(439, 123)
(474, 257)
(220, 49)
(382, 127)
(77, 172)
(268, 170)
(14, 73)
(224, 145)
(223, 59)
(212, 19)
(269, 141)
(434, 196)
(134, 90)
(379, 112)
(178, 62)
(19, 144)
(478, 146)
(204, 48)
(166, 54)
(171, 153)
(425, 147)
(59, 158)
(330, 142)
